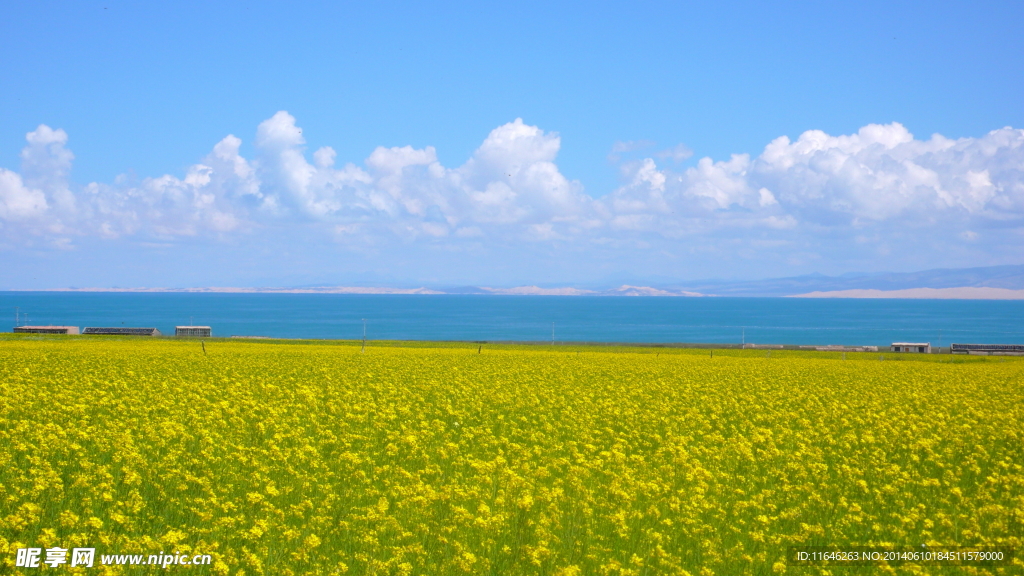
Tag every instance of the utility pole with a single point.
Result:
(17, 316)
(363, 351)
(552, 333)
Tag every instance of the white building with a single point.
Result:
(915, 347)
(195, 331)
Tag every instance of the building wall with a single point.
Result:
(911, 349)
(116, 331)
(47, 330)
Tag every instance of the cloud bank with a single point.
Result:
(880, 188)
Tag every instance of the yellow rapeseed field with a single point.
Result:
(283, 458)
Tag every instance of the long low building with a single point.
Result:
(988, 349)
(46, 330)
(121, 331)
(195, 331)
(841, 348)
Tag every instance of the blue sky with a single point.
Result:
(176, 144)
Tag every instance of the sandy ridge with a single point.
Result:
(963, 293)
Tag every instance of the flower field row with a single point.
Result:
(314, 458)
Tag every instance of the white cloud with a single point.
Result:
(213, 197)
(627, 146)
(882, 173)
(677, 153)
(46, 165)
(877, 184)
(880, 177)
(17, 201)
(631, 145)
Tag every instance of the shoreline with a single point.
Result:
(470, 343)
(959, 293)
(882, 351)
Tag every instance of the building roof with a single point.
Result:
(186, 327)
(911, 344)
(47, 327)
(996, 347)
(121, 330)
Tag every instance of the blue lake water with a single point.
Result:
(575, 318)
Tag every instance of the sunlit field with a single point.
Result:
(318, 458)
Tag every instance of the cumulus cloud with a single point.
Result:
(877, 183)
(18, 201)
(880, 178)
(882, 172)
(214, 196)
(46, 165)
(509, 184)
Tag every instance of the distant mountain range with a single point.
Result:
(992, 282)
(1007, 277)
(624, 290)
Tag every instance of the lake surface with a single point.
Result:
(575, 318)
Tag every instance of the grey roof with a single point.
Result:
(122, 331)
(989, 347)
